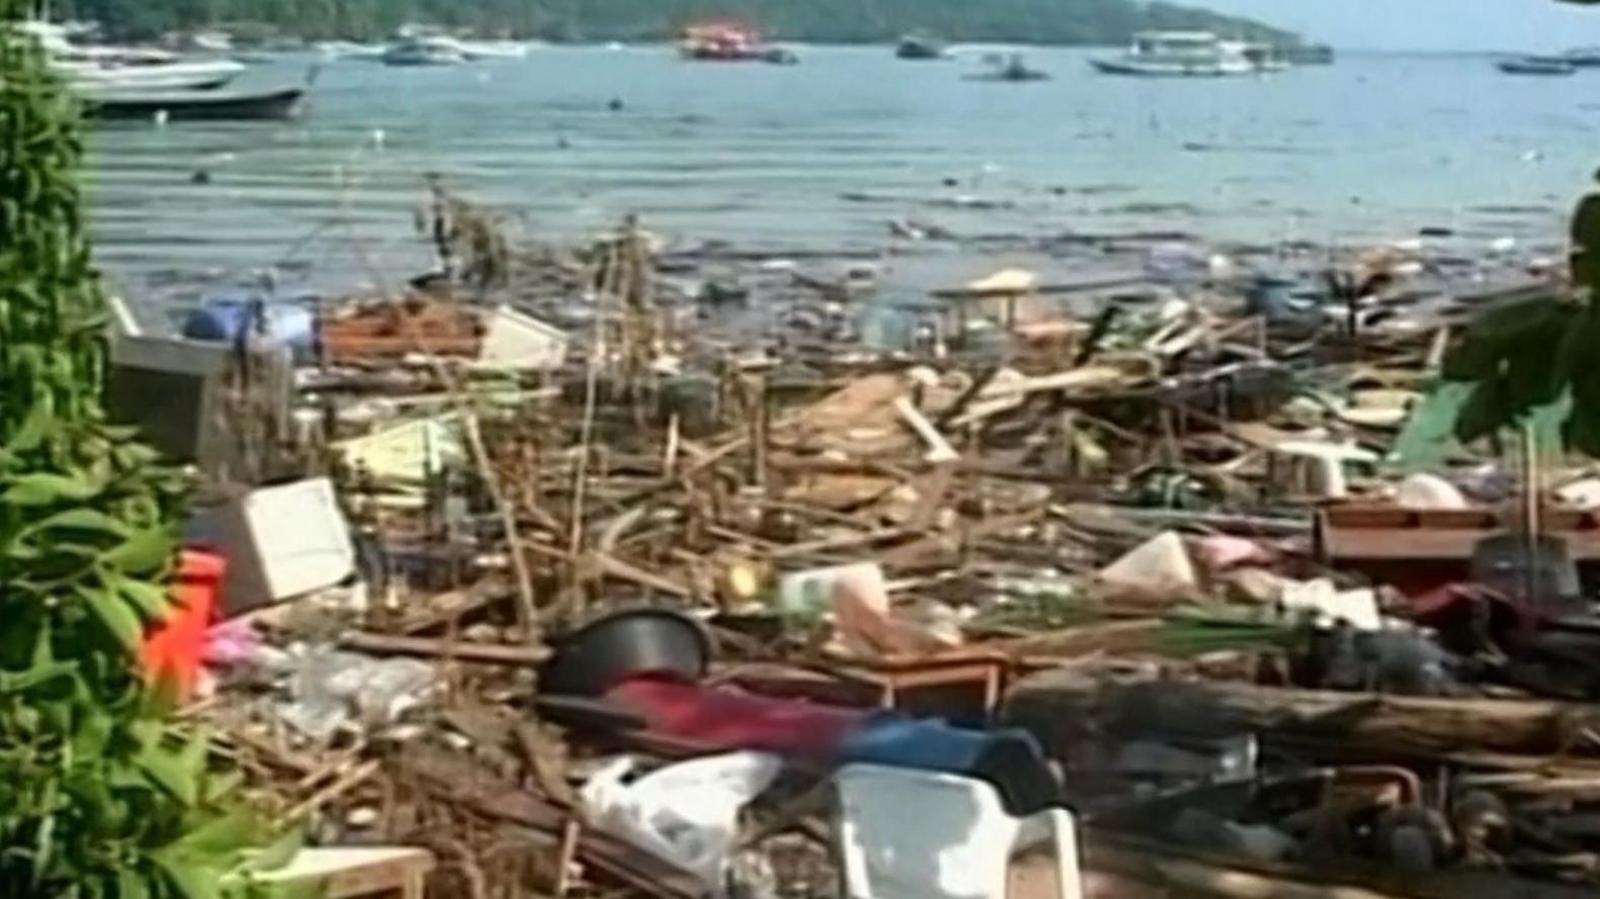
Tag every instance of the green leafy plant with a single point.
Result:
(1531, 357)
(102, 794)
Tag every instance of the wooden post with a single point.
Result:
(669, 458)
(1530, 512)
(758, 424)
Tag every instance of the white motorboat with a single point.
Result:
(210, 42)
(476, 50)
(1184, 54)
(180, 75)
(425, 50)
(135, 68)
(350, 50)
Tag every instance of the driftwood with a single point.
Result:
(1358, 724)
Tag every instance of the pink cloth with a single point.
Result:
(1221, 552)
(723, 718)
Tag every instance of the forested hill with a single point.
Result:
(848, 21)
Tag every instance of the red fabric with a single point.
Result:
(729, 719)
(176, 648)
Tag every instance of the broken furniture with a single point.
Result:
(1418, 551)
(895, 676)
(280, 542)
(908, 834)
(377, 872)
(222, 407)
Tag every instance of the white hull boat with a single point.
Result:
(351, 50)
(172, 76)
(94, 67)
(476, 50)
(1187, 54)
(428, 51)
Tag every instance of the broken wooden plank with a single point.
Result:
(1364, 724)
(459, 650)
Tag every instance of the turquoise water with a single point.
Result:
(825, 154)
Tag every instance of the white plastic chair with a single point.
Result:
(911, 834)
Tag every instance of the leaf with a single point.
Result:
(1500, 336)
(130, 885)
(1586, 242)
(152, 599)
(1535, 370)
(115, 614)
(1487, 411)
(81, 520)
(43, 488)
(222, 836)
(18, 681)
(93, 733)
(192, 758)
(221, 786)
(144, 551)
(166, 770)
(278, 853)
(1582, 430)
(188, 878)
(34, 428)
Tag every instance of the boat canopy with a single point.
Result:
(1175, 38)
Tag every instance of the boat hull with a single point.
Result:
(488, 50)
(186, 106)
(1538, 69)
(422, 60)
(1136, 69)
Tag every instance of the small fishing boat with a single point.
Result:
(284, 103)
(780, 56)
(1012, 68)
(1537, 65)
(1583, 57)
(1184, 54)
(920, 47)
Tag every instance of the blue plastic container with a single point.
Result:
(228, 318)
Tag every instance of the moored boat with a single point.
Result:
(182, 75)
(1309, 54)
(722, 42)
(284, 103)
(1537, 65)
(1583, 57)
(1185, 54)
(479, 50)
(87, 67)
(920, 47)
(425, 50)
(1010, 68)
(351, 50)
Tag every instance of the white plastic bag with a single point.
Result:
(686, 813)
